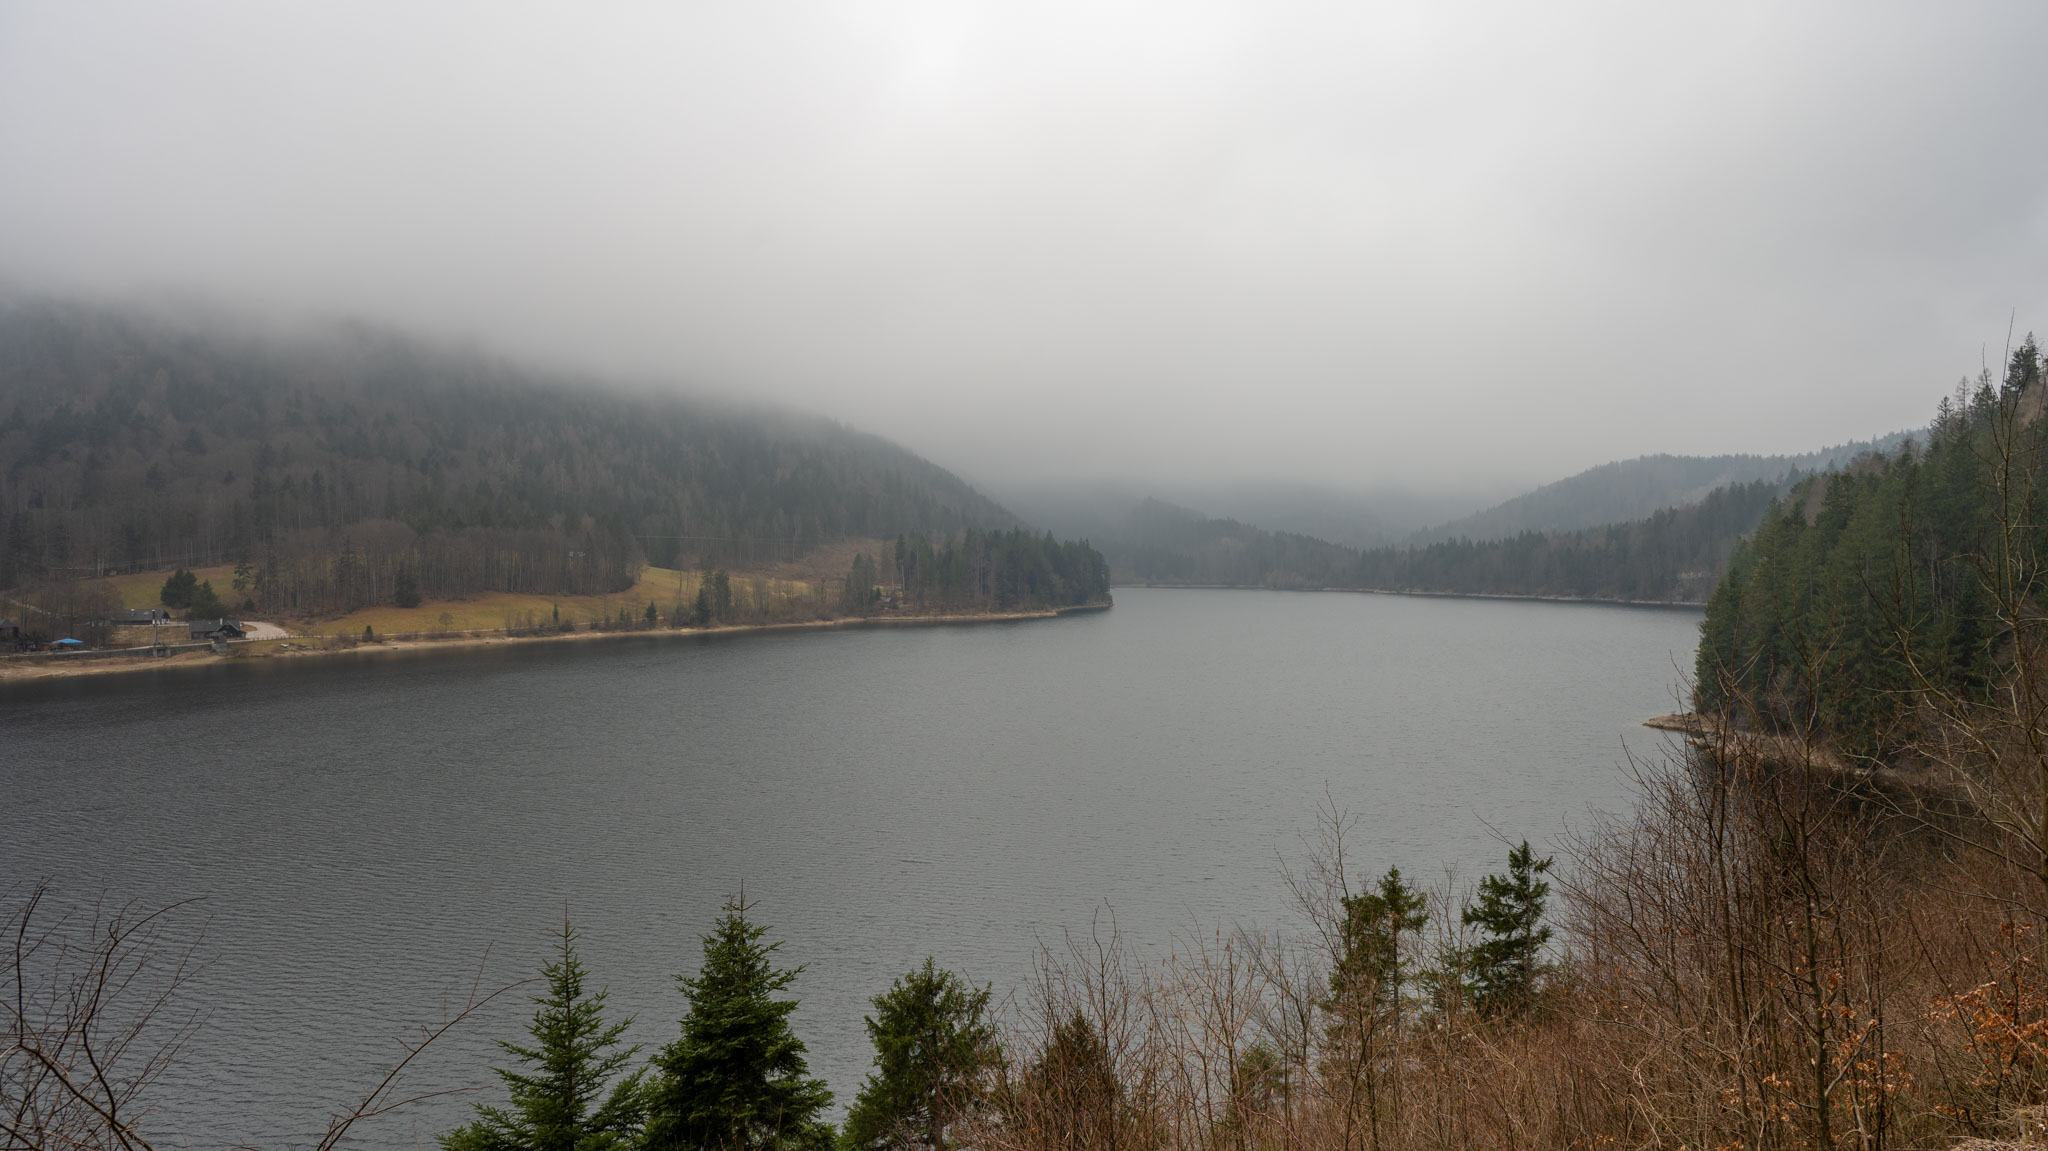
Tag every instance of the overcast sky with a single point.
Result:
(1350, 243)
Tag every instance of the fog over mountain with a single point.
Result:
(1360, 247)
(1632, 489)
(1610, 493)
(1368, 518)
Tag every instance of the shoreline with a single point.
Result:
(43, 669)
(1660, 603)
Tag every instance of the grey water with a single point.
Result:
(365, 836)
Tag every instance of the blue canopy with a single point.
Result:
(68, 643)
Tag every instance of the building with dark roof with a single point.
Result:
(216, 629)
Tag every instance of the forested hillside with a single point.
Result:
(1635, 489)
(1658, 528)
(1161, 543)
(1673, 555)
(992, 571)
(347, 465)
(1369, 518)
(1904, 579)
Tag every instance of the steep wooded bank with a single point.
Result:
(1866, 594)
(357, 467)
(1674, 555)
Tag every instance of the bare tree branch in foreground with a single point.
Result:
(385, 1097)
(87, 1024)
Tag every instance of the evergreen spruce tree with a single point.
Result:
(1371, 970)
(1366, 996)
(1070, 1098)
(721, 596)
(1502, 969)
(205, 603)
(2024, 370)
(736, 1079)
(566, 1100)
(932, 1048)
(860, 585)
(178, 590)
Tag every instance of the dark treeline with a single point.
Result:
(1674, 555)
(1864, 590)
(982, 571)
(351, 465)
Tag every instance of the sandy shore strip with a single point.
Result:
(42, 667)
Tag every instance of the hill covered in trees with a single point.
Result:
(349, 466)
(1870, 595)
(1658, 528)
(1673, 555)
(1377, 517)
(1612, 493)
(1159, 542)
(1636, 489)
(985, 571)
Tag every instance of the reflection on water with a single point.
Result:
(362, 831)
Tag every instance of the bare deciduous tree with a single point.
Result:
(89, 1023)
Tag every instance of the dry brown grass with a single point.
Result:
(1758, 957)
(784, 589)
(142, 589)
(662, 587)
(829, 562)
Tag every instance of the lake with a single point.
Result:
(361, 832)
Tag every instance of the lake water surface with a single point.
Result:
(363, 831)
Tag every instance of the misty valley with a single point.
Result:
(1418, 575)
(405, 746)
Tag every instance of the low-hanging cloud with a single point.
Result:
(1350, 244)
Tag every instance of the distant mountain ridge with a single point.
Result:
(1674, 522)
(1619, 492)
(1673, 555)
(1352, 518)
(1629, 490)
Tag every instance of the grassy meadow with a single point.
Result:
(784, 587)
(665, 588)
(142, 589)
